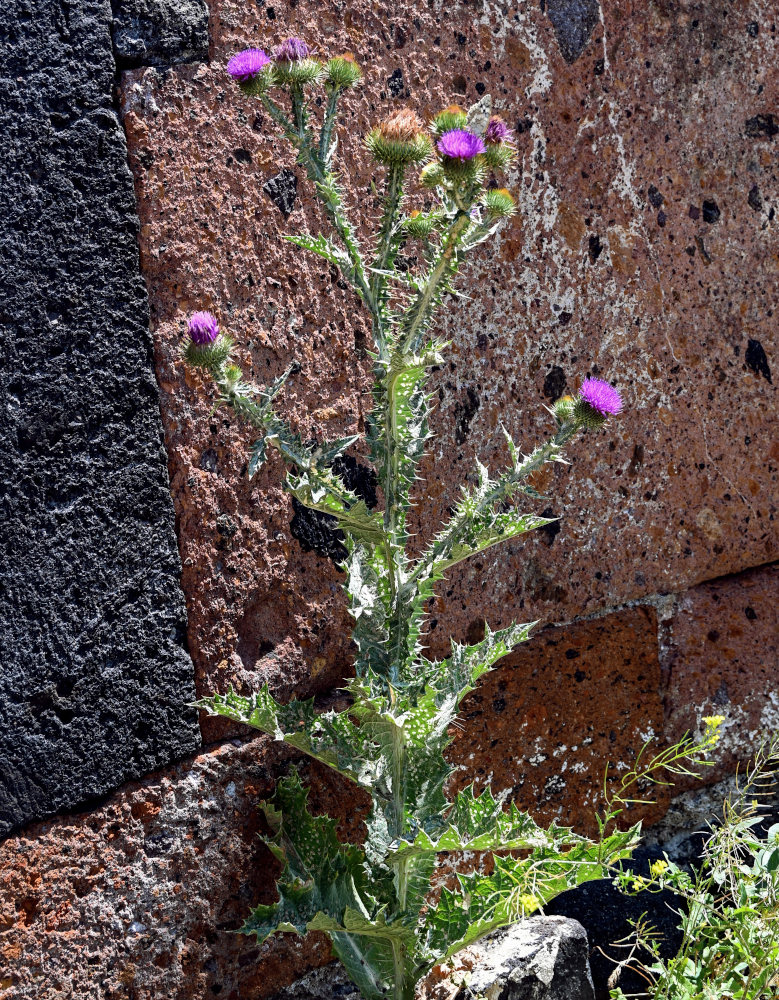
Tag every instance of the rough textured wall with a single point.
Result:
(645, 252)
(638, 254)
(95, 678)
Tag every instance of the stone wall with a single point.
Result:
(96, 677)
(645, 251)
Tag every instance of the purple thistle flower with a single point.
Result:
(602, 397)
(203, 328)
(460, 145)
(291, 50)
(497, 131)
(247, 64)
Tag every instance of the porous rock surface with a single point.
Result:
(641, 253)
(608, 916)
(95, 677)
(159, 32)
(545, 721)
(139, 897)
(721, 657)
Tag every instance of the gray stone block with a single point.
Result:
(160, 32)
(544, 958)
(95, 677)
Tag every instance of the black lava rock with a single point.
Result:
(761, 127)
(574, 22)
(554, 383)
(711, 212)
(95, 677)
(319, 532)
(282, 189)
(757, 359)
(605, 913)
(754, 200)
(395, 84)
(159, 32)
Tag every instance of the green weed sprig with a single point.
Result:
(729, 903)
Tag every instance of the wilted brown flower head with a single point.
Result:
(401, 126)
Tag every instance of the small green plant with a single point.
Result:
(374, 900)
(729, 904)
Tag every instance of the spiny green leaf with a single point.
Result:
(477, 823)
(493, 529)
(369, 949)
(369, 604)
(320, 490)
(559, 859)
(330, 737)
(477, 516)
(320, 873)
(370, 963)
(455, 676)
(321, 246)
(398, 426)
(257, 455)
(324, 887)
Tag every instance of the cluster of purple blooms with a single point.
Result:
(457, 144)
(249, 63)
(460, 144)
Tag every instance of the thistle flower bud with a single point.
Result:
(432, 175)
(563, 409)
(497, 131)
(596, 401)
(291, 50)
(293, 63)
(500, 151)
(205, 346)
(342, 72)
(399, 140)
(421, 226)
(500, 203)
(453, 117)
(250, 69)
(499, 156)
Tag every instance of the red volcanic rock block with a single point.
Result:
(137, 898)
(616, 265)
(547, 721)
(721, 657)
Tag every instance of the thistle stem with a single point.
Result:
(298, 111)
(426, 297)
(392, 200)
(325, 136)
(316, 170)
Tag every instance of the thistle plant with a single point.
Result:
(374, 899)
